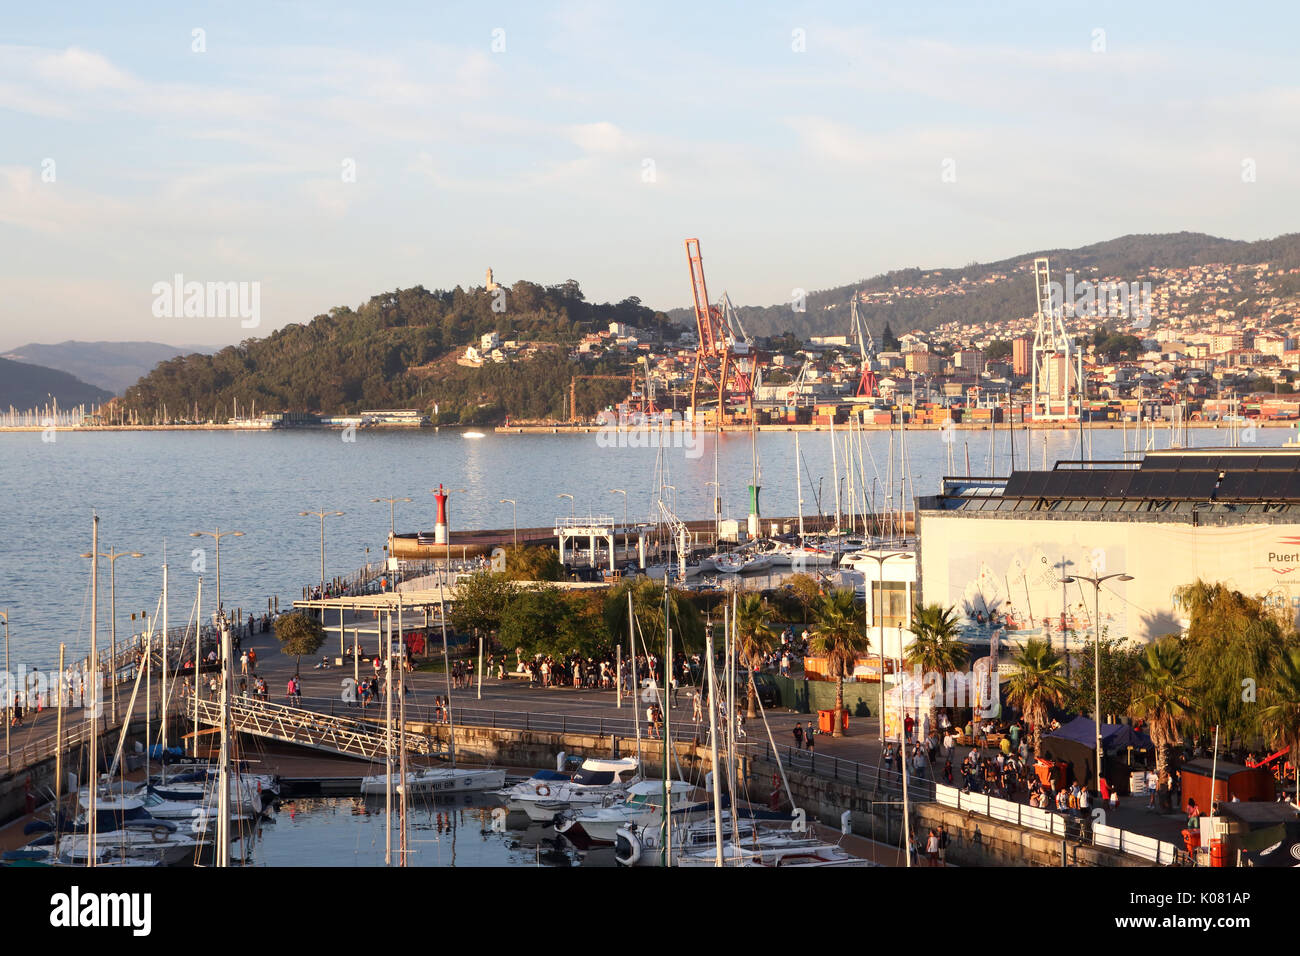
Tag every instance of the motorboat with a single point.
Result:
(637, 845)
(597, 778)
(124, 827)
(740, 562)
(642, 805)
(438, 780)
(792, 851)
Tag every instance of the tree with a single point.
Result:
(754, 640)
(299, 634)
(1119, 671)
(888, 340)
(537, 563)
(648, 609)
(481, 600)
(1162, 696)
(1037, 685)
(838, 636)
(542, 619)
(1231, 638)
(935, 648)
(1281, 715)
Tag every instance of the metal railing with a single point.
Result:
(1071, 825)
(295, 725)
(876, 778)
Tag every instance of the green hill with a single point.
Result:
(396, 350)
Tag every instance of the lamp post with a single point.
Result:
(880, 623)
(623, 492)
(216, 536)
(514, 517)
(112, 554)
(392, 512)
(303, 514)
(570, 497)
(1096, 582)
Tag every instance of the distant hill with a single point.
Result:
(110, 365)
(24, 386)
(1129, 257)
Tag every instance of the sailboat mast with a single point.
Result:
(835, 474)
(93, 688)
(636, 696)
(713, 747)
(223, 778)
(163, 686)
(198, 658)
(401, 749)
(798, 484)
(388, 740)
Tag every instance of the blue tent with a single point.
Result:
(1075, 743)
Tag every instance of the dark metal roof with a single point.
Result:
(1219, 479)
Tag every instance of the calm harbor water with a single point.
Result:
(156, 487)
(344, 831)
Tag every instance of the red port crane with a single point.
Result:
(714, 355)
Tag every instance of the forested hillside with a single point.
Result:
(395, 350)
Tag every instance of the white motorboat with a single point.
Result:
(438, 780)
(597, 778)
(643, 805)
(781, 852)
(636, 845)
(739, 562)
(806, 556)
(256, 790)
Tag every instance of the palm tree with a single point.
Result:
(1162, 697)
(753, 639)
(934, 648)
(1037, 685)
(1282, 720)
(839, 635)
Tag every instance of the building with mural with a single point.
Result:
(1000, 550)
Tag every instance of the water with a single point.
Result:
(153, 486)
(453, 831)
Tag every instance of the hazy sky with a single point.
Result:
(806, 145)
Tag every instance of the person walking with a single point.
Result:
(932, 848)
(243, 663)
(798, 735)
(808, 737)
(943, 845)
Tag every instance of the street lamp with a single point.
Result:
(217, 536)
(392, 513)
(570, 497)
(514, 517)
(1096, 582)
(880, 623)
(304, 514)
(112, 555)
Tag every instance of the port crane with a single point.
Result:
(715, 354)
(868, 385)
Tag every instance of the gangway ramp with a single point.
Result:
(307, 728)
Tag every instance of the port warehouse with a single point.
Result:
(996, 549)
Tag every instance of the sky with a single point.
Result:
(327, 152)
